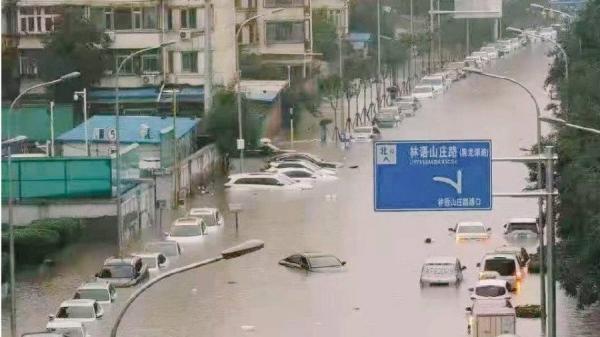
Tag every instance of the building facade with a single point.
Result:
(134, 25)
(337, 12)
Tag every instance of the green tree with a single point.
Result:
(222, 123)
(324, 36)
(75, 45)
(578, 168)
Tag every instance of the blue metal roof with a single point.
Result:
(147, 94)
(129, 128)
(358, 37)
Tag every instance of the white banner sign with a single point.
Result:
(477, 9)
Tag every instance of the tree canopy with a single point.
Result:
(75, 45)
(578, 168)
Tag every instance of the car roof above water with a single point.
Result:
(441, 260)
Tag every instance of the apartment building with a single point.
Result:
(136, 24)
(337, 12)
(281, 32)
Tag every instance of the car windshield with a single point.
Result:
(324, 261)
(186, 230)
(504, 267)
(117, 271)
(438, 269)
(150, 261)
(431, 81)
(93, 294)
(167, 248)
(76, 312)
(471, 229)
(490, 291)
(422, 90)
(522, 226)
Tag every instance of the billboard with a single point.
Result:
(477, 9)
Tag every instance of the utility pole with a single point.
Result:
(468, 38)
(378, 52)
(341, 55)
(551, 298)
(176, 151)
(292, 128)
(439, 35)
(412, 57)
(431, 31)
(51, 128)
(208, 71)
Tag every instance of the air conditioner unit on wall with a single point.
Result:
(185, 34)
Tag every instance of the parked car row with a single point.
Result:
(289, 171)
(500, 273)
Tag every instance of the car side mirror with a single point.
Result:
(471, 289)
(166, 233)
(463, 267)
(99, 316)
(97, 274)
(343, 263)
(489, 229)
(451, 229)
(162, 259)
(505, 225)
(280, 184)
(468, 309)
(51, 317)
(478, 265)
(472, 297)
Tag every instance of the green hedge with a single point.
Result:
(36, 241)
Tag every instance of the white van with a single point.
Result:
(491, 318)
(505, 264)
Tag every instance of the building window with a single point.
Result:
(28, 66)
(245, 4)
(189, 62)
(37, 19)
(188, 18)
(170, 19)
(285, 32)
(171, 61)
(108, 18)
(283, 3)
(137, 18)
(150, 63)
(122, 18)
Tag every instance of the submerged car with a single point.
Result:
(506, 265)
(521, 228)
(424, 91)
(313, 262)
(385, 120)
(102, 292)
(365, 133)
(490, 289)
(442, 270)
(63, 329)
(82, 311)
(169, 248)
(471, 230)
(275, 165)
(308, 157)
(264, 181)
(306, 175)
(519, 252)
(186, 230)
(154, 261)
(123, 271)
(210, 215)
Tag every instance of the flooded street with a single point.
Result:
(378, 293)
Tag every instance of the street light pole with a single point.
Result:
(378, 52)
(550, 239)
(563, 122)
(83, 94)
(538, 181)
(233, 252)
(238, 73)
(118, 141)
(11, 229)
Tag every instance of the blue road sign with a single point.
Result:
(433, 175)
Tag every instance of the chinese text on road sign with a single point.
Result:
(433, 175)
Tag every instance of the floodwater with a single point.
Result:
(378, 294)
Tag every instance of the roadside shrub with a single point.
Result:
(32, 244)
(69, 229)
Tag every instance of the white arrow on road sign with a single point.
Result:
(457, 185)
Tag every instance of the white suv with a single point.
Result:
(264, 181)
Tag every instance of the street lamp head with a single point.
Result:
(168, 43)
(513, 29)
(242, 249)
(75, 96)
(70, 76)
(552, 120)
(472, 70)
